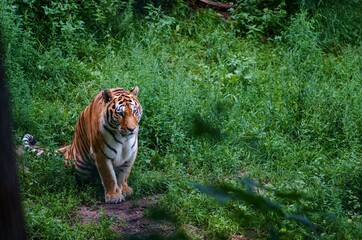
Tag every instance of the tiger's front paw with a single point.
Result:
(126, 190)
(115, 197)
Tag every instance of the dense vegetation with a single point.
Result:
(271, 95)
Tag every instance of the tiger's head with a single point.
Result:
(123, 110)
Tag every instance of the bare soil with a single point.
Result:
(129, 218)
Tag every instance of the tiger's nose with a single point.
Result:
(131, 129)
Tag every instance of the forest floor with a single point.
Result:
(129, 218)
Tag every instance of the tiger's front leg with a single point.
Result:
(112, 192)
(123, 173)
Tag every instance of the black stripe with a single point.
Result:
(106, 155)
(90, 111)
(114, 150)
(91, 160)
(129, 138)
(120, 168)
(88, 160)
(126, 164)
(82, 149)
(85, 154)
(81, 125)
(113, 126)
(107, 115)
(112, 133)
(135, 140)
(98, 146)
(84, 166)
(118, 91)
(110, 120)
(83, 146)
(84, 174)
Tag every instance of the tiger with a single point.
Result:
(105, 140)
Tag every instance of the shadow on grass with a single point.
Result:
(169, 229)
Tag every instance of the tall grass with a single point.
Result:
(217, 108)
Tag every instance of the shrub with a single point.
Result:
(259, 17)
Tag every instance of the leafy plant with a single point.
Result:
(259, 17)
(218, 107)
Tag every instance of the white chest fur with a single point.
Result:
(119, 149)
(127, 151)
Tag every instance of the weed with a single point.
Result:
(217, 108)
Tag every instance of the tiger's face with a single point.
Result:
(124, 110)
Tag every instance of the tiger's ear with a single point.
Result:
(134, 91)
(106, 95)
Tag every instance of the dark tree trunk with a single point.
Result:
(11, 214)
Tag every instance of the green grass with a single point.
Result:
(217, 108)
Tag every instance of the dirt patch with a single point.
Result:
(129, 218)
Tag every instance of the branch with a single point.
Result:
(217, 5)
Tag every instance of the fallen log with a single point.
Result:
(221, 6)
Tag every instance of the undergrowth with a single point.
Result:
(219, 106)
